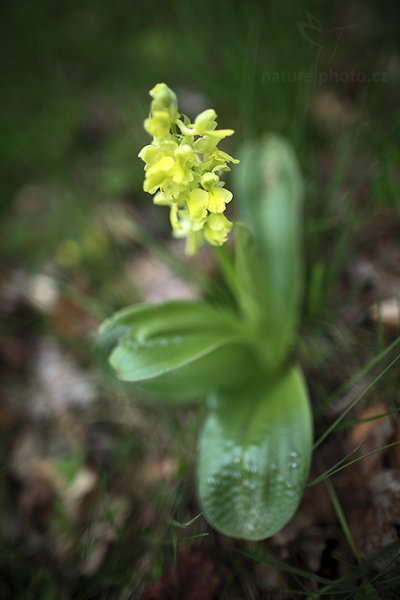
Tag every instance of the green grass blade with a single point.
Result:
(333, 470)
(355, 402)
(342, 520)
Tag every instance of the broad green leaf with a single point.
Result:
(269, 184)
(179, 349)
(148, 320)
(188, 365)
(251, 279)
(254, 456)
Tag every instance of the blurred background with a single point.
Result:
(96, 486)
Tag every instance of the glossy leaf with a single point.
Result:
(180, 349)
(176, 316)
(254, 456)
(269, 183)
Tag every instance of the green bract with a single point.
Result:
(183, 167)
(255, 446)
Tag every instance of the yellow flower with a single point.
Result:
(164, 99)
(159, 174)
(185, 159)
(182, 168)
(159, 124)
(197, 204)
(205, 125)
(168, 167)
(218, 197)
(163, 112)
(216, 229)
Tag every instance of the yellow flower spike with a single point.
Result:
(183, 168)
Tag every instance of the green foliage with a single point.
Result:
(179, 349)
(271, 190)
(255, 447)
(250, 276)
(254, 456)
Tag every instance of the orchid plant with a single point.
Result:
(255, 445)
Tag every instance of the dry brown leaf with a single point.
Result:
(60, 383)
(331, 112)
(197, 576)
(157, 469)
(363, 431)
(387, 312)
(80, 496)
(372, 435)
